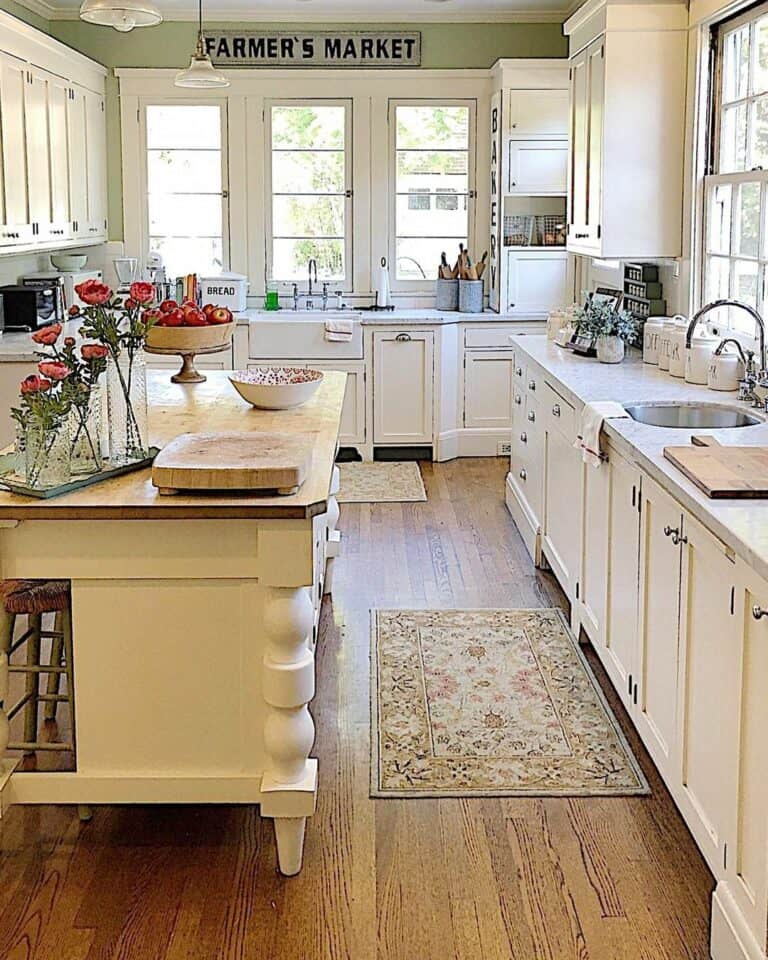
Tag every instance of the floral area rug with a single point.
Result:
(381, 482)
(490, 703)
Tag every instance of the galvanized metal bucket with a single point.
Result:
(447, 295)
(471, 296)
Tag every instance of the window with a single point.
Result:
(311, 196)
(432, 158)
(186, 187)
(736, 228)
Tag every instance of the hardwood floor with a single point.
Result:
(555, 879)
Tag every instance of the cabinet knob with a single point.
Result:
(758, 613)
(556, 410)
(531, 384)
(519, 371)
(523, 475)
(531, 416)
(518, 400)
(403, 337)
(524, 437)
(674, 533)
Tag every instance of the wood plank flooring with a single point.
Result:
(493, 879)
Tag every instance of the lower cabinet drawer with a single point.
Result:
(558, 413)
(479, 337)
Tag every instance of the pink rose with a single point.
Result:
(93, 351)
(34, 384)
(93, 292)
(69, 341)
(54, 370)
(48, 335)
(142, 292)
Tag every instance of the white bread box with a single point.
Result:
(226, 290)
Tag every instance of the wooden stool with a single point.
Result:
(34, 599)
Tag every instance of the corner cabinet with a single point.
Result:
(403, 387)
(53, 144)
(625, 169)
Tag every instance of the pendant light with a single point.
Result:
(123, 15)
(201, 73)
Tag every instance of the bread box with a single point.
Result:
(227, 290)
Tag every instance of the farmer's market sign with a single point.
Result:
(257, 48)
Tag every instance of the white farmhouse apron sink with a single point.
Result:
(288, 334)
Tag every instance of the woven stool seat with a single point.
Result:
(36, 596)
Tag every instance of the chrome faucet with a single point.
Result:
(295, 297)
(742, 306)
(312, 263)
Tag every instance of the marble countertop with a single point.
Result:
(740, 524)
(396, 317)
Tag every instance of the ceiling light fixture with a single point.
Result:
(201, 73)
(123, 15)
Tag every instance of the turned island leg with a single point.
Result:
(6, 766)
(289, 783)
(333, 545)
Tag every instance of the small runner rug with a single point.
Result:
(381, 482)
(490, 703)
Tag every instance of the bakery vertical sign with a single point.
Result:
(359, 48)
(494, 294)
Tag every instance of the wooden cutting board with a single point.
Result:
(723, 471)
(233, 461)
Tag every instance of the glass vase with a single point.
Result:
(85, 433)
(20, 452)
(48, 455)
(127, 407)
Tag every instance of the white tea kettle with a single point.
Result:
(726, 369)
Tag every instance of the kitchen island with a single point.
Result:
(194, 622)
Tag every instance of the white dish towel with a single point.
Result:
(338, 330)
(592, 417)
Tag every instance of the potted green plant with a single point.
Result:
(610, 328)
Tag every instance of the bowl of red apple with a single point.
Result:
(188, 330)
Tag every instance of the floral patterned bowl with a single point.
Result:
(276, 388)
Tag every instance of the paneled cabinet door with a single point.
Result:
(655, 686)
(578, 145)
(38, 152)
(586, 147)
(746, 872)
(488, 380)
(618, 651)
(709, 677)
(403, 386)
(58, 98)
(78, 165)
(96, 160)
(352, 429)
(538, 167)
(561, 526)
(593, 575)
(538, 114)
(537, 281)
(15, 223)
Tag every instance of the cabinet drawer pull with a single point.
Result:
(403, 337)
(531, 416)
(556, 410)
(531, 384)
(523, 475)
(758, 613)
(518, 400)
(524, 437)
(518, 371)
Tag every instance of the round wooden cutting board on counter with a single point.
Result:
(233, 461)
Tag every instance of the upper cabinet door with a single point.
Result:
(78, 167)
(38, 169)
(58, 96)
(579, 144)
(538, 114)
(96, 151)
(538, 167)
(596, 107)
(15, 226)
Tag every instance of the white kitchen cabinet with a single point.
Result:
(488, 378)
(537, 281)
(58, 133)
(593, 561)
(627, 138)
(78, 165)
(96, 165)
(352, 431)
(618, 650)
(538, 167)
(709, 694)
(561, 519)
(526, 467)
(15, 223)
(655, 687)
(403, 386)
(38, 152)
(538, 114)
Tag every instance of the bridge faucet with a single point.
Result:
(312, 263)
(742, 306)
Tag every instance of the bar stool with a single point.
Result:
(34, 599)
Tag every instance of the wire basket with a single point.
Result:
(518, 230)
(550, 230)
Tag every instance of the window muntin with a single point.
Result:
(186, 186)
(433, 167)
(309, 196)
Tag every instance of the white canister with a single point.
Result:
(666, 332)
(227, 290)
(651, 334)
(725, 370)
(697, 358)
(677, 350)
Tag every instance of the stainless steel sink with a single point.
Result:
(695, 416)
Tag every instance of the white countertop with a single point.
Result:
(390, 318)
(740, 524)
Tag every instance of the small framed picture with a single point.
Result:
(607, 295)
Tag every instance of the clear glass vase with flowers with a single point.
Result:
(120, 326)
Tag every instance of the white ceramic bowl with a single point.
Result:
(69, 262)
(276, 388)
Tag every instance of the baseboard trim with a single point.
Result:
(731, 939)
(526, 523)
(470, 442)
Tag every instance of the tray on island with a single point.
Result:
(13, 482)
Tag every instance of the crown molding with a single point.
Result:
(235, 15)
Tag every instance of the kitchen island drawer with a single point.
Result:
(558, 413)
(490, 337)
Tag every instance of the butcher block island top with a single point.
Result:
(210, 407)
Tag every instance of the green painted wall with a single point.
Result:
(444, 45)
